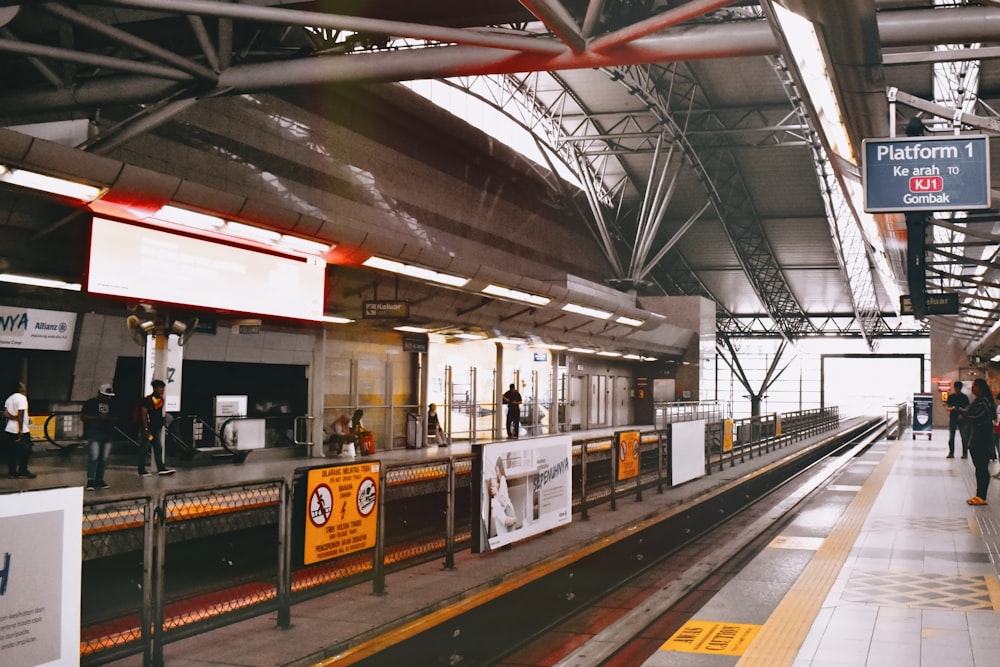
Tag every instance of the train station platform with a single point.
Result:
(885, 565)
(428, 594)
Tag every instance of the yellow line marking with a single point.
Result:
(782, 635)
(993, 586)
(974, 526)
(493, 590)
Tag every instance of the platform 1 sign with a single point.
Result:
(926, 173)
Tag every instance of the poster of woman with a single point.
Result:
(524, 488)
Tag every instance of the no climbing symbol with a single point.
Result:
(320, 505)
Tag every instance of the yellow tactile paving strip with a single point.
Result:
(781, 637)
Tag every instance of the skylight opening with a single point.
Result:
(488, 118)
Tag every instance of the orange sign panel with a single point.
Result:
(341, 515)
(628, 454)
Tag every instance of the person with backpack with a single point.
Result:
(151, 422)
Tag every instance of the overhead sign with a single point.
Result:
(385, 309)
(937, 304)
(926, 173)
(415, 342)
(33, 329)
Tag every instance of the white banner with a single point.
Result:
(40, 543)
(163, 360)
(32, 329)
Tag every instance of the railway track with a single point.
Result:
(618, 605)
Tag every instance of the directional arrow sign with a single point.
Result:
(385, 309)
(937, 304)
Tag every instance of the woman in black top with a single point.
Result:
(979, 418)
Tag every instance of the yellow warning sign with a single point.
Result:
(341, 515)
(628, 454)
(712, 638)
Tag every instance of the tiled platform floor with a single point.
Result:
(886, 567)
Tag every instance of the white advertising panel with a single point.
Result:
(687, 451)
(151, 264)
(40, 546)
(168, 352)
(525, 488)
(32, 329)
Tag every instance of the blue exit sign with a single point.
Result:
(926, 173)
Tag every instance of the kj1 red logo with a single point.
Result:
(926, 184)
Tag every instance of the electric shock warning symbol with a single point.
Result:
(320, 505)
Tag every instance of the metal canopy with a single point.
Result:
(703, 161)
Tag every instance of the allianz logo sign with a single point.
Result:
(20, 322)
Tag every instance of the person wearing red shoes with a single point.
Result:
(979, 418)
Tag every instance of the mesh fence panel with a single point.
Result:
(112, 575)
(205, 577)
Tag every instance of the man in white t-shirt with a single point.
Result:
(17, 434)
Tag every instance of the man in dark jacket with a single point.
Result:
(956, 405)
(151, 422)
(99, 429)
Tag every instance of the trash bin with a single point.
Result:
(414, 433)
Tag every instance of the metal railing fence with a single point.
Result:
(162, 567)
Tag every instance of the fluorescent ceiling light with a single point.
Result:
(609, 354)
(333, 319)
(508, 341)
(581, 350)
(50, 184)
(551, 346)
(251, 232)
(632, 357)
(469, 336)
(649, 358)
(213, 223)
(516, 295)
(409, 329)
(183, 216)
(304, 245)
(630, 321)
(590, 312)
(38, 282)
(414, 271)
